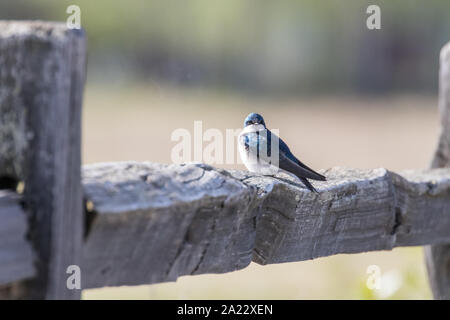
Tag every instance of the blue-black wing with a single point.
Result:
(290, 163)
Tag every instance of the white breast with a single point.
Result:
(250, 160)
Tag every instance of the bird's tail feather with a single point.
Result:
(308, 185)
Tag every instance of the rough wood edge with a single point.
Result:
(154, 223)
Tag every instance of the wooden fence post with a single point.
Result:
(42, 73)
(438, 256)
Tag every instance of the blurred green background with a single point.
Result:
(258, 46)
(339, 93)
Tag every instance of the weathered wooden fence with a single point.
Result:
(135, 223)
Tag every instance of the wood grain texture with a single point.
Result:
(156, 222)
(16, 255)
(438, 256)
(41, 81)
(153, 223)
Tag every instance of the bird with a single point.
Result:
(258, 150)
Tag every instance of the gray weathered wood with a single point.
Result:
(438, 256)
(42, 71)
(153, 222)
(16, 255)
(442, 155)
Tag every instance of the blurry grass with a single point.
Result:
(135, 123)
(335, 277)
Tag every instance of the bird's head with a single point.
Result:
(254, 118)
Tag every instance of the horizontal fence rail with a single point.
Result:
(153, 223)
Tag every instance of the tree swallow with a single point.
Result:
(258, 149)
